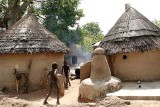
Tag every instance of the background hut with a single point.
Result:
(132, 47)
(75, 57)
(95, 45)
(29, 47)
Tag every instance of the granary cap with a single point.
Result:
(132, 32)
(28, 36)
(99, 51)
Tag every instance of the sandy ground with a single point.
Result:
(35, 99)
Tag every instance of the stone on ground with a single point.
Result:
(90, 91)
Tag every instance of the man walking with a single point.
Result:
(65, 71)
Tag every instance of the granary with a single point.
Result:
(30, 48)
(132, 47)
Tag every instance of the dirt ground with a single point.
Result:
(35, 99)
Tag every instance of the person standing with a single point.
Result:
(66, 71)
(53, 83)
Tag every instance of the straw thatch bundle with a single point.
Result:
(132, 32)
(29, 36)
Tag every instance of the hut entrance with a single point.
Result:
(74, 59)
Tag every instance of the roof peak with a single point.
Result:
(132, 32)
(127, 6)
(28, 36)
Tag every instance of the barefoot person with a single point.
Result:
(65, 71)
(53, 83)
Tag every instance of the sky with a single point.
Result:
(107, 12)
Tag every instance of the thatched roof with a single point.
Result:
(132, 32)
(29, 36)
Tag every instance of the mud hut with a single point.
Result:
(76, 56)
(29, 47)
(132, 47)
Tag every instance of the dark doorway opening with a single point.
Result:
(74, 59)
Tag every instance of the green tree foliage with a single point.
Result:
(157, 23)
(60, 15)
(92, 34)
(70, 36)
(92, 29)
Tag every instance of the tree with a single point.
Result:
(60, 16)
(70, 36)
(92, 34)
(92, 29)
(157, 23)
(12, 10)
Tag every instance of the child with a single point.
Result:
(53, 83)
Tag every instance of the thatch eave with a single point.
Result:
(131, 44)
(29, 51)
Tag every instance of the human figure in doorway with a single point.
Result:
(66, 71)
(53, 83)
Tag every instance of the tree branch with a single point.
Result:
(24, 6)
(16, 3)
(3, 6)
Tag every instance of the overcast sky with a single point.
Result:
(107, 12)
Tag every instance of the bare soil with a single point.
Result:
(35, 99)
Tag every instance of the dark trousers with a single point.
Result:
(67, 82)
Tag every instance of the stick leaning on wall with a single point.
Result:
(26, 85)
(18, 76)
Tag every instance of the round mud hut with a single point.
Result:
(132, 47)
(31, 49)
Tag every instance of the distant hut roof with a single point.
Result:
(96, 44)
(132, 32)
(28, 36)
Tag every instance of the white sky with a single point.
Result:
(107, 12)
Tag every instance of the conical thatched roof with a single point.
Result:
(132, 32)
(29, 36)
